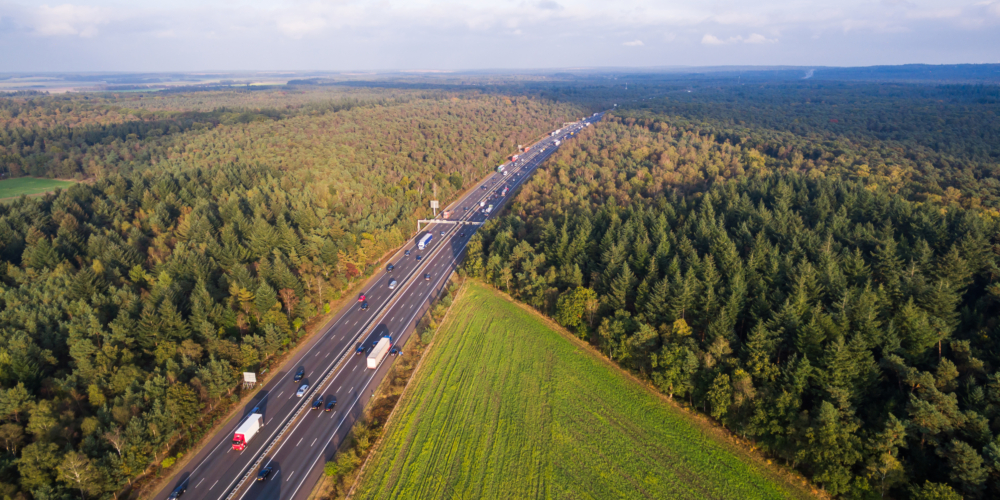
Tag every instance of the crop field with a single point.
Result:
(29, 185)
(504, 407)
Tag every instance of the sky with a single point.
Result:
(347, 35)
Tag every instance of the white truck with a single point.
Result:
(247, 430)
(482, 203)
(557, 142)
(500, 168)
(426, 240)
(489, 209)
(379, 352)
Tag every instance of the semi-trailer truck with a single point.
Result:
(247, 430)
(426, 240)
(379, 352)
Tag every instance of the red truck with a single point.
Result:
(247, 430)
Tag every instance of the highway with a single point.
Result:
(296, 441)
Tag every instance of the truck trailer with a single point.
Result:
(425, 240)
(247, 430)
(379, 352)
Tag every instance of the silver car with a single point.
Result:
(392, 284)
(302, 390)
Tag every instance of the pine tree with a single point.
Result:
(620, 296)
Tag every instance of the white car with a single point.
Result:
(302, 390)
(392, 284)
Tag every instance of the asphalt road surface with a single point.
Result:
(296, 440)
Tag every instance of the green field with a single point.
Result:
(29, 185)
(504, 407)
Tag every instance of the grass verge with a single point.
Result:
(506, 407)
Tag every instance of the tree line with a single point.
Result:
(846, 329)
(130, 304)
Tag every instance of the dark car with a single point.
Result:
(406, 253)
(331, 405)
(461, 235)
(361, 298)
(364, 306)
(317, 403)
(262, 475)
(360, 349)
(177, 492)
(427, 277)
(389, 268)
(299, 374)
(418, 256)
(466, 209)
(394, 351)
(442, 233)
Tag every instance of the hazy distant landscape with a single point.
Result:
(121, 82)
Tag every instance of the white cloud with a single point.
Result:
(68, 20)
(754, 38)
(634, 43)
(758, 38)
(711, 40)
(299, 26)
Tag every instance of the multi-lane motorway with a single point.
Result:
(296, 440)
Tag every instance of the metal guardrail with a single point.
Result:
(443, 221)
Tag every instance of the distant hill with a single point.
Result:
(945, 73)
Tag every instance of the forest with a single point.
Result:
(926, 141)
(812, 264)
(813, 298)
(199, 243)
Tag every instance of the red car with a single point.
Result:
(361, 298)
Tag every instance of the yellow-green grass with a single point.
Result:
(10, 188)
(504, 407)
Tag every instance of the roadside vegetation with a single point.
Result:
(504, 407)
